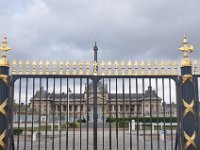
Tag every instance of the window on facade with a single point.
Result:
(75, 108)
(127, 108)
(132, 108)
(115, 108)
(70, 108)
(89, 109)
(58, 108)
(110, 108)
(121, 107)
(64, 108)
(81, 107)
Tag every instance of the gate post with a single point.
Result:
(187, 101)
(4, 94)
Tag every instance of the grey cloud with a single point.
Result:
(48, 29)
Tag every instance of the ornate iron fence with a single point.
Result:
(98, 106)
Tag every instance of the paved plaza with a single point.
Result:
(75, 140)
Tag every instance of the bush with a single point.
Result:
(82, 120)
(123, 124)
(145, 119)
(17, 131)
(71, 125)
(110, 119)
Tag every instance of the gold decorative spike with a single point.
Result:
(123, 67)
(20, 67)
(162, 67)
(116, 67)
(190, 140)
(103, 68)
(81, 67)
(47, 64)
(74, 64)
(185, 49)
(136, 67)
(5, 79)
(4, 48)
(156, 67)
(41, 64)
(27, 63)
(169, 67)
(67, 67)
(14, 65)
(175, 68)
(129, 64)
(34, 64)
(188, 107)
(149, 67)
(109, 64)
(61, 67)
(54, 64)
(95, 68)
(2, 137)
(87, 67)
(142, 68)
(196, 67)
(187, 77)
(2, 108)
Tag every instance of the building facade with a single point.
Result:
(76, 105)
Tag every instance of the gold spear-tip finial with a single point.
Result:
(185, 49)
(4, 48)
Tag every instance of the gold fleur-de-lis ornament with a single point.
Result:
(87, 67)
(116, 67)
(67, 67)
(27, 63)
(129, 64)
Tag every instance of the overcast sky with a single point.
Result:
(123, 29)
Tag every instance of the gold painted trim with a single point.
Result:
(186, 49)
(188, 107)
(4, 78)
(190, 140)
(186, 77)
(2, 136)
(2, 107)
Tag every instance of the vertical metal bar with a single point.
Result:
(87, 113)
(137, 113)
(95, 80)
(116, 103)
(123, 95)
(33, 112)
(60, 127)
(170, 101)
(47, 109)
(179, 120)
(67, 125)
(151, 112)
(103, 111)
(40, 115)
(25, 124)
(81, 110)
(53, 144)
(157, 115)
(74, 82)
(19, 111)
(163, 91)
(110, 133)
(144, 115)
(130, 114)
(11, 145)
